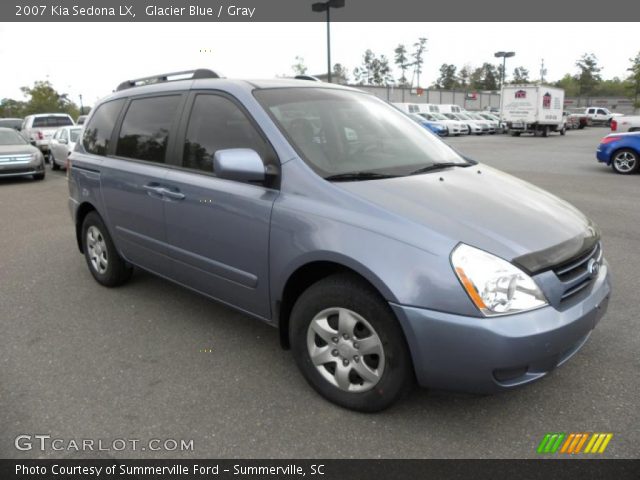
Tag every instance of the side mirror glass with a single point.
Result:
(63, 140)
(239, 164)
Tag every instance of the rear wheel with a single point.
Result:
(625, 162)
(105, 264)
(38, 176)
(563, 130)
(349, 346)
(545, 131)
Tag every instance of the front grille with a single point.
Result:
(578, 273)
(15, 159)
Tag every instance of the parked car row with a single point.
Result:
(453, 120)
(51, 135)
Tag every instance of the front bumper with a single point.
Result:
(487, 355)
(21, 169)
(603, 155)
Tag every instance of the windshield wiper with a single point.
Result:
(349, 176)
(438, 166)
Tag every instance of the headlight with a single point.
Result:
(494, 285)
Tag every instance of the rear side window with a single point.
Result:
(97, 133)
(145, 129)
(216, 123)
(51, 122)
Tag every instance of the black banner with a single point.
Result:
(320, 469)
(300, 11)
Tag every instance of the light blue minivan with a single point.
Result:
(384, 257)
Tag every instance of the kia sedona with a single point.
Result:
(383, 256)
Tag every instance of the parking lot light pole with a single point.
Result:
(504, 56)
(326, 7)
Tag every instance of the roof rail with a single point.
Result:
(307, 77)
(165, 77)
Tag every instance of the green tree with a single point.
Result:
(588, 73)
(10, 108)
(448, 79)
(364, 73)
(43, 98)
(299, 68)
(464, 77)
(569, 84)
(340, 74)
(520, 75)
(402, 61)
(418, 58)
(485, 77)
(634, 78)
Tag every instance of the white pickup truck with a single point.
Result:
(38, 129)
(600, 115)
(626, 124)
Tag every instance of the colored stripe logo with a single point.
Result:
(574, 443)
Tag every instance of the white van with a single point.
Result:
(450, 108)
(408, 107)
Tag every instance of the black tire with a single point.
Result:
(632, 158)
(563, 131)
(581, 126)
(515, 134)
(117, 271)
(348, 292)
(545, 131)
(54, 165)
(39, 176)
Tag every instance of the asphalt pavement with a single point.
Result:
(151, 360)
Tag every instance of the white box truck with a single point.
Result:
(533, 109)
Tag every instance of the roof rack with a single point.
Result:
(307, 77)
(165, 77)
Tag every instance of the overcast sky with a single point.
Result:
(92, 58)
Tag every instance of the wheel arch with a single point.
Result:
(310, 272)
(81, 213)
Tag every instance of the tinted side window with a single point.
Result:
(216, 123)
(97, 133)
(145, 129)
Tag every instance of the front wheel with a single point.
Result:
(625, 162)
(563, 131)
(52, 159)
(349, 346)
(103, 260)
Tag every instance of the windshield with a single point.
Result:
(462, 116)
(338, 131)
(11, 137)
(439, 116)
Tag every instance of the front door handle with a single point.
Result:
(153, 189)
(172, 194)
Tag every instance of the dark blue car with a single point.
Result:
(621, 151)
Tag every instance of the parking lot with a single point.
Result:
(153, 360)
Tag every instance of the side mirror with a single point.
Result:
(63, 141)
(33, 142)
(239, 164)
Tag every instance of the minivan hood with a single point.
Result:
(488, 209)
